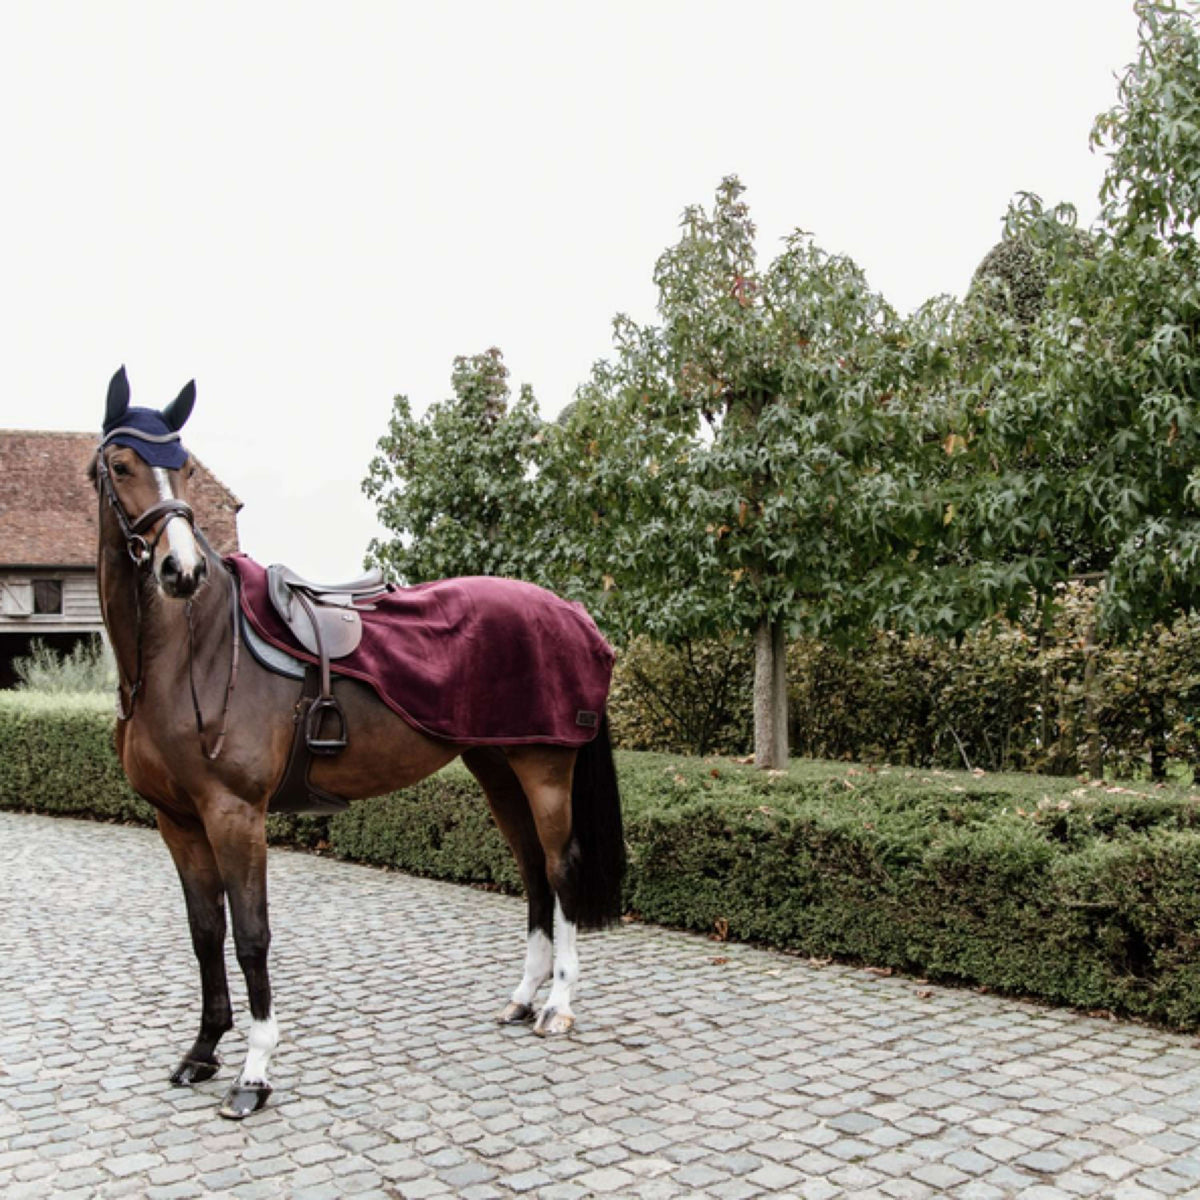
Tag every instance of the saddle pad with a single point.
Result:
(479, 660)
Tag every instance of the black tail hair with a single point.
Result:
(595, 859)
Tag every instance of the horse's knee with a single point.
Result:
(251, 931)
(253, 950)
(253, 946)
(208, 938)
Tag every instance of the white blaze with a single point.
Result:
(179, 532)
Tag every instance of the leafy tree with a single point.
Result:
(1152, 134)
(1140, 399)
(458, 488)
(731, 467)
(1083, 420)
(1078, 409)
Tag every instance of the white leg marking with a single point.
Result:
(566, 964)
(539, 962)
(179, 532)
(264, 1037)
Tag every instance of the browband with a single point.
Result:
(129, 431)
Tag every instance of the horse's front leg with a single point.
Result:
(204, 896)
(237, 830)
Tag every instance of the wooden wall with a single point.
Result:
(80, 603)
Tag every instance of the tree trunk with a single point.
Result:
(1158, 738)
(770, 696)
(1091, 706)
(1044, 697)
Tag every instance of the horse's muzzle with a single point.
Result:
(177, 583)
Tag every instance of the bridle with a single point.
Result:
(140, 550)
(142, 553)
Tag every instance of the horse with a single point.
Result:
(170, 606)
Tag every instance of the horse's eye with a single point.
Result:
(121, 470)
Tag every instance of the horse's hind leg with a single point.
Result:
(204, 895)
(514, 818)
(545, 774)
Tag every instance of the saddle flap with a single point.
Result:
(340, 629)
(327, 622)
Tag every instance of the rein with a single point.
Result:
(234, 661)
(142, 552)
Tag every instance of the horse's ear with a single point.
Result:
(118, 398)
(177, 412)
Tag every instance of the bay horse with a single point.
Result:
(167, 600)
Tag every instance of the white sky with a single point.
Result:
(312, 207)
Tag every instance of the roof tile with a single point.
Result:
(48, 506)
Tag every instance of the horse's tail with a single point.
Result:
(596, 857)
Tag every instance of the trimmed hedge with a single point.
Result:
(1080, 895)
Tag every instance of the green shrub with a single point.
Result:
(694, 698)
(440, 828)
(57, 756)
(89, 668)
(1080, 895)
(1012, 695)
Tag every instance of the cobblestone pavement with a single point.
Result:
(697, 1069)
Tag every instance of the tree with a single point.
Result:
(1085, 428)
(1152, 134)
(1079, 411)
(727, 470)
(458, 488)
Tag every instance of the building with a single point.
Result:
(48, 537)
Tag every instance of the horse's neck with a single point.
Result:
(135, 613)
(121, 606)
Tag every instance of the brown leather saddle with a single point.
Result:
(324, 619)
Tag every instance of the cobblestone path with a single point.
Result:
(697, 1069)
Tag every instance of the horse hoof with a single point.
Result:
(243, 1100)
(553, 1023)
(515, 1014)
(193, 1070)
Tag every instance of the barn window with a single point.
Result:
(47, 596)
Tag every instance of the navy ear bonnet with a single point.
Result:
(144, 430)
(153, 435)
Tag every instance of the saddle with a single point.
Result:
(324, 619)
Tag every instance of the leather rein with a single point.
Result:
(142, 553)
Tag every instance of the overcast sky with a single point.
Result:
(312, 207)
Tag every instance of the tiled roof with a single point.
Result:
(48, 506)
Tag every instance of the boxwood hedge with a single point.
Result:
(1079, 895)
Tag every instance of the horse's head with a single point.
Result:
(142, 470)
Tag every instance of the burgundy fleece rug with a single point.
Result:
(476, 660)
